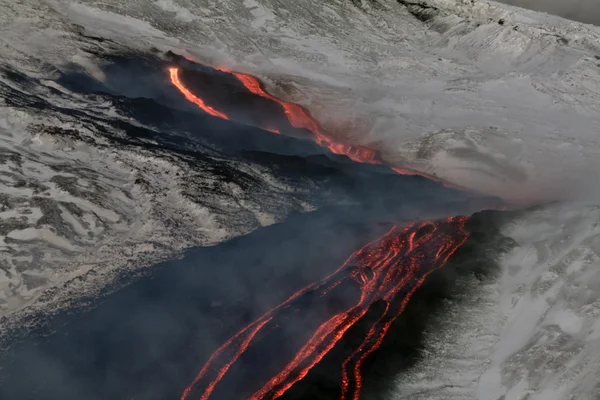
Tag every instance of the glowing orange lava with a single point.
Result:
(174, 74)
(389, 269)
(295, 114)
(301, 120)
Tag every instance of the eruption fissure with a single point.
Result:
(388, 270)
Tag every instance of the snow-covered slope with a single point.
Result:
(489, 96)
(82, 199)
(479, 93)
(533, 333)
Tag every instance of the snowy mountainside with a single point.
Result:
(482, 94)
(479, 93)
(82, 199)
(533, 333)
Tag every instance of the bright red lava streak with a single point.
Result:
(174, 74)
(389, 269)
(298, 118)
(301, 120)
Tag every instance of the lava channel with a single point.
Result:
(389, 270)
(297, 117)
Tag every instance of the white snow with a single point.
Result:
(181, 13)
(47, 235)
(488, 96)
(73, 214)
(531, 333)
(510, 109)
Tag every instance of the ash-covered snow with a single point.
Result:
(78, 205)
(481, 94)
(533, 332)
(81, 201)
(485, 95)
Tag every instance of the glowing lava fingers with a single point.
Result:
(389, 269)
(174, 74)
(300, 119)
(376, 334)
(297, 117)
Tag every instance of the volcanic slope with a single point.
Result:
(478, 93)
(481, 94)
(101, 183)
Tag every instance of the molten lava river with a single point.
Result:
(386, 271)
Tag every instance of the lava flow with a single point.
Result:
(174, 74)
(295, 114)
(389, 269)
(298, 118)
(301, 120)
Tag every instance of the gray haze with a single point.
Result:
(587, 11)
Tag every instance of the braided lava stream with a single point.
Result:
(389, 269)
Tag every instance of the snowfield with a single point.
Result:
(534, 332)
(79, 206)
(484, 95)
